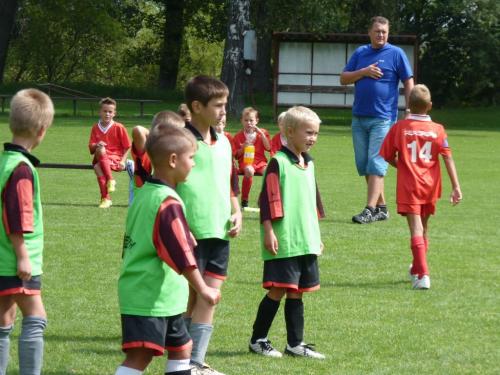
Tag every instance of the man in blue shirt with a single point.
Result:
(375, 69)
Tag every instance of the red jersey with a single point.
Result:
(239, 140)
(277, 143)
(416, 144)
(115, 136)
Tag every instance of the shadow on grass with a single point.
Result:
(67, 338)
(367, 284)
(64, 204)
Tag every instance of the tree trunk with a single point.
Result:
(233, 73)
(172, 43)
(8, 10)
(262, 72)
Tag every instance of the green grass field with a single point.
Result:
(365, 318)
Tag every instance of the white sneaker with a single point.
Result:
(264, 347)
(411, 276)
(303, 350)
(423, 283)
(203, 370)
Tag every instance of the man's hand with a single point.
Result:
(373, 71)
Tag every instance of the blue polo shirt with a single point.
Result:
(379, 97)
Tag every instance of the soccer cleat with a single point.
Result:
(264, 347)
(423, 283)
(111, 185)
(380, 215)
(411, 276)
(244, 203)
(203, 369)
(303, 350)
(365, 217)
(105, 203)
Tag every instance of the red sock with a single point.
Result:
(419, 259)
(245, 187)
(105, 166)
(101, 180)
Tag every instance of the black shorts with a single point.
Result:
(155, 333)
(14, 285)
(297, 274)
(212, 257)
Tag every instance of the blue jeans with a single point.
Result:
(368, 133)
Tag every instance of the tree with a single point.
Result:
(172, 43)
(233, 66)
(8, 10)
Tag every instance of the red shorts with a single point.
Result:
(114, 162)
(259, 168)
(426, 209)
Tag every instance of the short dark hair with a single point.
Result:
(378, 19)
(204, 88)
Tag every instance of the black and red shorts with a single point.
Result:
(155, 333)
(14, 285)
(212, 257)
(296, 274)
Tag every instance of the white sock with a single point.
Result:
(122, 370)
(177, 365)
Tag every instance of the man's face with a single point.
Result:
(378, 35)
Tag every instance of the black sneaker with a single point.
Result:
(365, 217)
(380, 215)
(244, 204)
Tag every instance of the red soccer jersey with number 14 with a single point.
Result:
(416, 143)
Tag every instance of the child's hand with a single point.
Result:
(321, 248)
(236, 220)
(100, 144)
(456, 196)
(271, 242)
(211, 295)
(23, 268)
(122, 165)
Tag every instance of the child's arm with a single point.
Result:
(265, 138)
(236, 218)
(23, 259)
(211, 295)
(270, 240)
(456, 193)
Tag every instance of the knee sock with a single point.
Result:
(200, 333)
(426, 243)
(106, 167)
(101, 180)
(31, 345)
(178, 367)
(419, 258)
(245, 187)
(122, 370)
(264, 319)
(294, 319)
(4, 348)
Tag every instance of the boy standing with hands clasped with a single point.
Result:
(249, 146)
(209, 202)
(158, 258)
(109, 143)
(21, 235)
(413, 146)
(291, 240)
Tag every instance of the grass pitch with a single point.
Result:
(365, 318)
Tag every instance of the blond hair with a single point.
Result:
(378, 19)
(298, 115)
(167, 118)
(249, 110)
(30, 111)
(167, 139)
(420, 98)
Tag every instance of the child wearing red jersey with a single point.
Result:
(21, 232)
(413, 146)
(158, 259)
(259, 138)
(290, 205)
(279, 138)
(109, 143)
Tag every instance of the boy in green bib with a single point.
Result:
(212, 208)
(291, 242)
(21, 233)
(158, 259)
